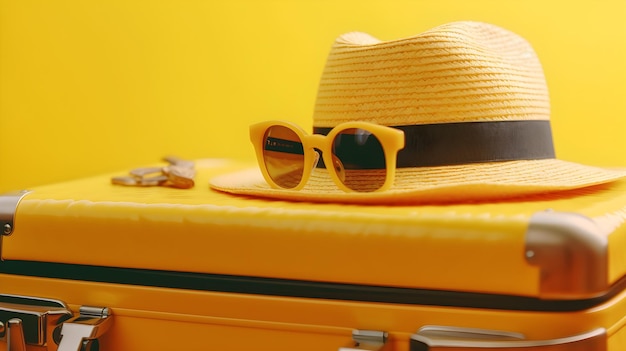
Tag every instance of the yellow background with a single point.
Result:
(96, 86)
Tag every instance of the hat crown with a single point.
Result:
(458, 72)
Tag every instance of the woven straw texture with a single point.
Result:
(458, 72)
(427, 185)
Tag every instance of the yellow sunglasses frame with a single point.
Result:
(391, 139)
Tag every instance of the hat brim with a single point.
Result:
(461, 183)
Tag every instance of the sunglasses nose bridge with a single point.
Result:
(317, 141)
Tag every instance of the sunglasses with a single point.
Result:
(359, 156)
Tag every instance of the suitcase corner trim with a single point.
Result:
(8, 208)
(571, 253)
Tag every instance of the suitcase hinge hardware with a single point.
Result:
(435, 338)
(49, 324)
(371, 340)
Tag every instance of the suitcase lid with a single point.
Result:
(551, 247)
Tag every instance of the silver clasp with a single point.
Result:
(30, 320)
(82, 332)
(50, 324)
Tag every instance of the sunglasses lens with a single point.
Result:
(283, 156)
(359, 160)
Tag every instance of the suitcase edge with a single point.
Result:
(571, 252)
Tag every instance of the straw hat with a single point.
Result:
(473, 102)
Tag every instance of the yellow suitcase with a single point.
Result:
(89, 265)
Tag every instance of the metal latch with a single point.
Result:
(82, 332)
(50, 324)
(371, 340)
